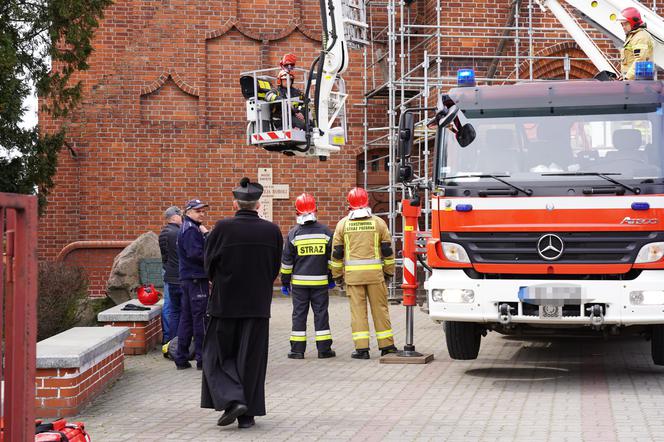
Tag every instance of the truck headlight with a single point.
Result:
(459, 296)
(650, 253)
(454, 252)
(646, 297)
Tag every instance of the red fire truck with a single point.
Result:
(551, 220)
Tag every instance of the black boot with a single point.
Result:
(326, 354)
(360, 353)
(245, 421)
(387, 350)
(295, 355)
(232, 413)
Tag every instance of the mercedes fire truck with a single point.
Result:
(551, 221)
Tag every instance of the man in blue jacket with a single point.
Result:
(194, 282)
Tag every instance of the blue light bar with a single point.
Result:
(644, 70)
(640, 206)
(465, 78)
(464, 207)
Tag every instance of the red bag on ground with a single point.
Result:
(61, 431)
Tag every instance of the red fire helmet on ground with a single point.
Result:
(358, 198)
(147, 294)
(305, 203)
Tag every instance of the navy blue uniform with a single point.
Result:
(195, 288)
(305, 267)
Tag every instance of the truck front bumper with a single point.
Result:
(489, 294)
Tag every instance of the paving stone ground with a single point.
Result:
(549, 390)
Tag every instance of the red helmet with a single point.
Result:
(305, 203)
(282, 78)
(358, 198)
(288, 60)
(632, 16)
(147, 294)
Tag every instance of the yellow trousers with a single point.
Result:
(377, 296)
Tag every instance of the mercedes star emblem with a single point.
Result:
(550, 247)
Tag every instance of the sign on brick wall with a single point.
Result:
(270, 192)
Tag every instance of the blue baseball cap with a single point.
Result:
(195, 204)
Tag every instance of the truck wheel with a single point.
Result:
(463, 339)
(657, 344)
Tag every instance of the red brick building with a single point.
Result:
(163, 119)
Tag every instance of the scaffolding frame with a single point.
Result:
(414, 80)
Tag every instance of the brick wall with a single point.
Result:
(143, 337)
(163, 118)
(97, 264)
(62, 392)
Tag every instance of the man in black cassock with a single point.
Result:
(242, 259)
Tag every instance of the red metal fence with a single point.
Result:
(18, 315)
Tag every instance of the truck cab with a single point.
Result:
(551, 221)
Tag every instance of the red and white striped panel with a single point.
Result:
(279, 135)
(409, 276)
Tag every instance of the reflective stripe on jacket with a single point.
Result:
(362, 251)
(638, 47)
(306, 255)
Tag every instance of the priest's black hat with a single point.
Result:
(248, 191)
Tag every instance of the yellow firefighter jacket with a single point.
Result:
(362, 251)
(638, 47)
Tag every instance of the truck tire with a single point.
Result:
(463, 339)
(657, 344)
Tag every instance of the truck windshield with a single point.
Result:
(534, 145)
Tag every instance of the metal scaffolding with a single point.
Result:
(408, 62)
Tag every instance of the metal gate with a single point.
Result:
(18, 315)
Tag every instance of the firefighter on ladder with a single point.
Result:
(638, 42)
(305, 271)
(363, 258)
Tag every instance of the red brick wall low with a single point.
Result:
(144, 336)
(97, 264)
(62, 392)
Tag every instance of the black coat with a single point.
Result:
(169, 252)
(242, 259)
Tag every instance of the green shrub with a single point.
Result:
(63, 290)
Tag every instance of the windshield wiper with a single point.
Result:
(495, 177)
(634, 190)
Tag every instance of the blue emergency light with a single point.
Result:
(640, 206)
(644, 70)
(464, 207)
(465, 78)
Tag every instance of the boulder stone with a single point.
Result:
(124, 277)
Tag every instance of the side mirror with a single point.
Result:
(406, 135)
(466, 135)
(446, 119)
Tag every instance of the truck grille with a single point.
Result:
(579, 247)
